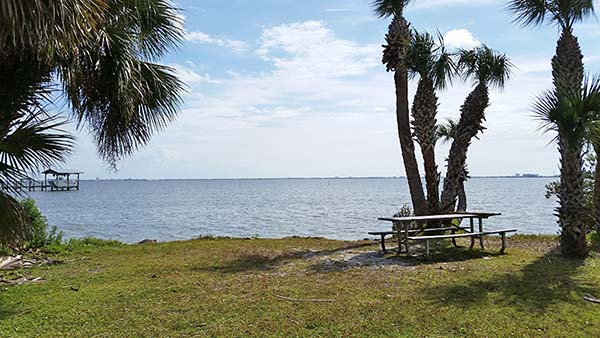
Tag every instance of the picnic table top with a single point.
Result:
(440, 217)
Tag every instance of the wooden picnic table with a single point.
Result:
(441, 223)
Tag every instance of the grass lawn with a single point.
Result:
(234, 288)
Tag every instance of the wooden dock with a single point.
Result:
(61, 180)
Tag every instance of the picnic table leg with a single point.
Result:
(427, 248)
(406, 245)
(399, 242)
(383, 243)
(472, 230)
(454, 239)
(503, 234)
(481, 230)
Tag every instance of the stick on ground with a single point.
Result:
(305, 300)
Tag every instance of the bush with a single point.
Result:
(405, 211)
(75, 243)
(38, 235)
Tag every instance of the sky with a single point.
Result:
(287, 88)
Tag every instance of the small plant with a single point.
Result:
(405, 211)
(38, 235)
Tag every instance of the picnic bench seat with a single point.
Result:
(412, 231)
(502, 233)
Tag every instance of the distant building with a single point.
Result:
(527, 175)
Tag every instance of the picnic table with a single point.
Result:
(439, 225)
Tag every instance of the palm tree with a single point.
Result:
(486, 68)
(569, 116)
(101, 54)
(397, 40)
(567, 64)
(435, 67)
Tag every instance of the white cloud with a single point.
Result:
(312, 49)
(190, 76)
(204, 38)
(324, 106)
(460, 38)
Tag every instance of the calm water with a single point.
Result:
(335, 208)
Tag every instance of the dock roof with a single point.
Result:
(62, 171)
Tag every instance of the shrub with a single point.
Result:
(38, 235)
(405, 211)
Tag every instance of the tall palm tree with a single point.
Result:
(569, 116)
(567, 64)
(397, 40)
(433, 64)
(101, 55)
(486, 68)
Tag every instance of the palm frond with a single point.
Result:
(446, 132)
(35, 142)
(569, 115)
(158, 25)
(484, 65)
(444, 66)
(13, 227)
(113, 87)
(528, 12)
(47, 25)
(593, 133)
(429, 59)
(387, 8)
(568, 12)
(546, 110)
(564, 13)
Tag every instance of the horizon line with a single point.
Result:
(296, 178)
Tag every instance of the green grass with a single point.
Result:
(229, 287)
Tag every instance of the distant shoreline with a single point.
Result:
(291, 178)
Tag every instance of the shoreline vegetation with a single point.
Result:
(297, 286)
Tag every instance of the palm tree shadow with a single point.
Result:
(548, 280)
(376, 259)
(263, 262)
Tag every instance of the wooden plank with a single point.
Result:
(417, 230)
(382, 232)
(474, 234)
(430, 217)
(484, 214)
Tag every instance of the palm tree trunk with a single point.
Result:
(568, 73)
(571, 201)
(406, 143)
(567, 64)
(471, 120)
(425, 124)
(462, 197)
(397, 38)
(597, 190)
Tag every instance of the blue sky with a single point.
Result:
(282, 88)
